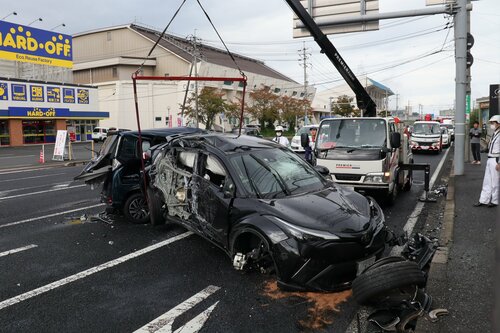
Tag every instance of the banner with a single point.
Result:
(59, 147)
(28, 44)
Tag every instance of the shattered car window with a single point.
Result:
(213, 171)
(274, 172)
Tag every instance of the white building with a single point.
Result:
(107, 58)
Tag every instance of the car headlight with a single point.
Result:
(379, 177)
(302, 232)
(435, 144)
(414, 143)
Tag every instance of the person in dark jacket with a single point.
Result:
(475, 143)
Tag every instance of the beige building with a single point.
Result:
(107, 58)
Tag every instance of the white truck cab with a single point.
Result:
(365, 153)
(426, 136)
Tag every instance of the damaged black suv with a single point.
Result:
(267, 209)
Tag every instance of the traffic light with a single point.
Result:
(470, 43)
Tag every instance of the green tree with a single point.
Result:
(293, 108)
(344, 108)
(474, 116)
(210, 104)
(264, 106)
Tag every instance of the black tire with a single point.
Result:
(369, 287)
(384, 261)
(136, 209)
(155, 208)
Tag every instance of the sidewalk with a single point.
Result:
(462, 275)
(28, 156)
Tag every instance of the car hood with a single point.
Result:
(336, 210)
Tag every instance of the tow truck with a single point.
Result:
(368, 153)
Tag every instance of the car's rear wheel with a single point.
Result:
(136, 209)
(155, 208)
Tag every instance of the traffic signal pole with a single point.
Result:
(460, 84)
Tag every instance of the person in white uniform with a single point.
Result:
(489, 193)
(279, 138)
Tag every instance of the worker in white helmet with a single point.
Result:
(279, 138)
(489, 193)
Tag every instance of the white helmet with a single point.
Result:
(495, 118)
(278, 128)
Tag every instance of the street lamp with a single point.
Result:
(13, 13)
(38, 19)
(57, 26)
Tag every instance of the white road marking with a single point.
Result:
(90, 271)
(19, 249)
(412, 220)
(53, 185)
(195, 324)
(32, 177)
(40, 192)
(47, 216)
(18, 156)
(396, 250)
(62, 185)
(27, 168)
(163, 324)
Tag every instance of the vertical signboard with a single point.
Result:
(59, 147)
(494, 99)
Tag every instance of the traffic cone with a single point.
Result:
(42, 156)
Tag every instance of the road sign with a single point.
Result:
(60, 146)
(331, 10)
(467, 104)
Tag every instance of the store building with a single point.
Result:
(31, 112)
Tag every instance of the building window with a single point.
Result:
(4, 133)
(301, 94)
(294, 93)
(277, 90)
(108, 36)
(240, 84)
(228, 83)
(114, 72)
(157, 118)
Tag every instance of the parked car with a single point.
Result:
(117, 167)
(451, 130)
(254, 131)
(445, 134)
(267, 209)
(99, 133)
(295, 145)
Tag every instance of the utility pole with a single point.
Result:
(194, 43)
(304, 56)
(460, 25)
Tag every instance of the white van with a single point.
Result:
(100, 133)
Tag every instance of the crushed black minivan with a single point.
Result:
(267, 209)
(117, 166)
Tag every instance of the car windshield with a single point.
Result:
(304, 129)
(426, 128)
(448, 126)
(271, 173)
(352, 133)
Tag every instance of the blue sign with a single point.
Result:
(4, 91)
(28, 44)
(53, 94)
(19, 92)
(26, 112)
(68, 95)
(83, 96)
(36, 93)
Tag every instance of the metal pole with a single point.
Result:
(461, 82)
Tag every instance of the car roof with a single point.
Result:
(230, 143)
(164, 132)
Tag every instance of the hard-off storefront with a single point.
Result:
(32, 112)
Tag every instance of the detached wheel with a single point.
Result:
(155, 208)
(136, 209)
(374, 283)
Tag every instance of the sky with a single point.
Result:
(412, 56)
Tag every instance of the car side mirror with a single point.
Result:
(324, 171)
(229, 190)
(304, 140)
(395, 140)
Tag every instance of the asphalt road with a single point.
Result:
(59, 273)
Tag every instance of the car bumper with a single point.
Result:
(324, 265)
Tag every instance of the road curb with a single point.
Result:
(437, 281)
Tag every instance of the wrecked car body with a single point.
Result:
(267, 209)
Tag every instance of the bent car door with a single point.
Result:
(213, 192)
